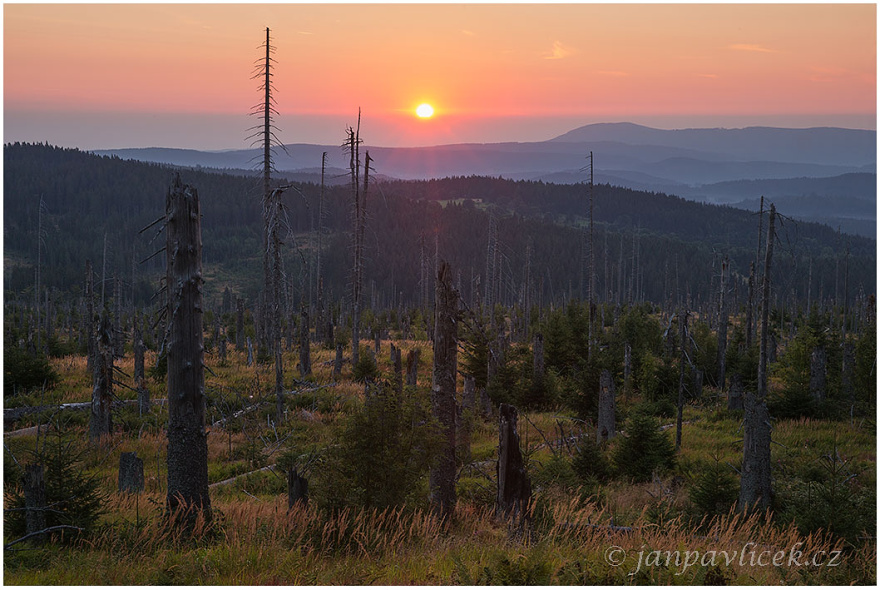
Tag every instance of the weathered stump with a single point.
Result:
(131, 473)
(514, 486)
(412, 367)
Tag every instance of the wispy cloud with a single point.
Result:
(468, 33)
(559, 51)
(754, 47)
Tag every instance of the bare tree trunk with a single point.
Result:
(514, 485)
(606, 427)
(90, 318)
(100, 422)
(755, 484)
(750, 308)
(443, 389)
(250, 352)
(187, 439)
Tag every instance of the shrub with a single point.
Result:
(590, 463)
(715, 490)
(23, 371)
(366, 368)
(644, 449)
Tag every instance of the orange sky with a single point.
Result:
(485, 68)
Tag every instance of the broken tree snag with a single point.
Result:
(755, 484)
(337, 363)
(412, 366)
(34, 499)
(818, 361)
(100, 422)
(606, 425)
(735, 394)
(187, 439)
(297, 489)
(140, 382)
(514, 486)
(755, 491)
(131, 473)
(722, 325)
(443, 389)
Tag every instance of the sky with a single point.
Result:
(107, 76)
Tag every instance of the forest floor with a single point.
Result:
(580, 533)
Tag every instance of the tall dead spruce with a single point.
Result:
(755, 487)
(443, 388)
(187, 439)
(359, 218)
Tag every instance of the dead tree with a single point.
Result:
(412, 367)
(750, 307)
(818, 360)
(606, 423)
(305, 357)
(359, 216)
(722, 324)
(682, 338)
(187, 438)
(319, 277)
(514, 485)
(100, 422)
(90, 317)
(755, 485)
(442, 478)
(140, 382)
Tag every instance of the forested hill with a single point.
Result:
(647, 245)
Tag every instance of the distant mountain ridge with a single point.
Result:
(692, 163)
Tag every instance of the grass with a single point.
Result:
(256, 540)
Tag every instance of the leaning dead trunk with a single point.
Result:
(187, 439)
(443, 389)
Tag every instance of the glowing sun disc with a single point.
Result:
(424, 110)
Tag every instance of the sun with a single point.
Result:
(424, 110)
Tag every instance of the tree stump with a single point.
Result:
(131, 473)
(606, 425)
(297, 489)
(412, 367)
